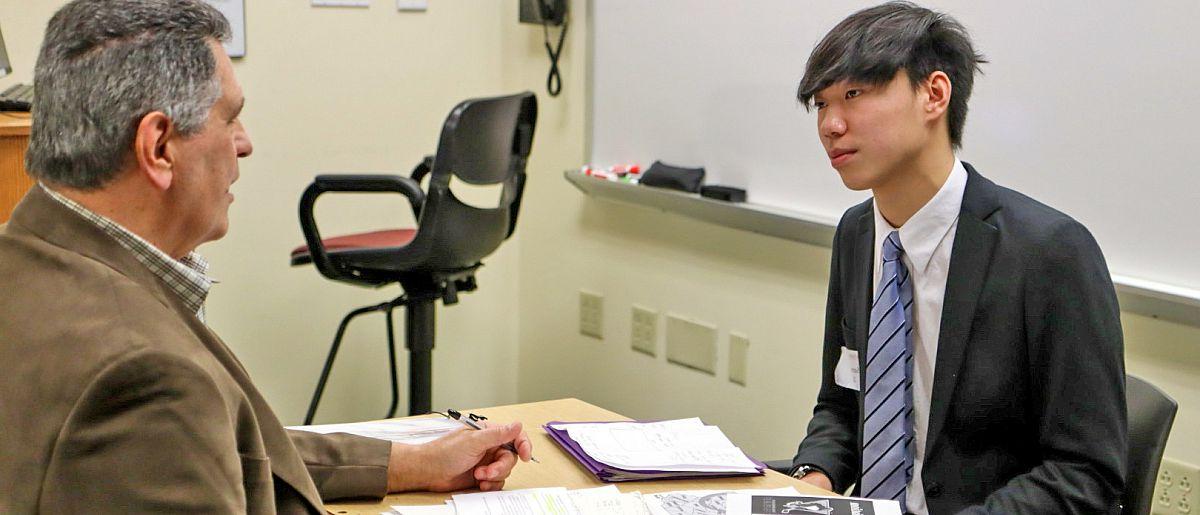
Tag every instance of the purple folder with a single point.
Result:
(611, 474)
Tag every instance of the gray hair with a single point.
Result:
(873, 44)
(104, 65)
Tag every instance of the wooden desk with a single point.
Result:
(557, 468)
(14, 182)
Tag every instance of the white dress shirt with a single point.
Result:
(927, 239)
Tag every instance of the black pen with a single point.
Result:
(471, 420)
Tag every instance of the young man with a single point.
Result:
(973, 353)
(116, 396)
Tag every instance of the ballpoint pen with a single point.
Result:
(472, 420)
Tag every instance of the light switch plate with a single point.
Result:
(692, 344)
(739, 348)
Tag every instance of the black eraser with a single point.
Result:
(726, 193)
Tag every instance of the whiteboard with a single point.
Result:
(1090, 107)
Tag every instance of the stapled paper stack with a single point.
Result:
(630, 451)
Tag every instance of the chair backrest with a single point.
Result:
(484, 141)
(1151, 413)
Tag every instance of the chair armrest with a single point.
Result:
(348, 184)
(422, 169)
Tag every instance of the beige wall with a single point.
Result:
(365, 90)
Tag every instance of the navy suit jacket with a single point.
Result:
(1027, 413)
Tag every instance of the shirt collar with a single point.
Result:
(187, 277)
(922, 234)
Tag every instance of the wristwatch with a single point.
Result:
(803, 470)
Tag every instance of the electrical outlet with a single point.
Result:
(1175, 489)
(591, 314)
(1162, 502)
(644, 331)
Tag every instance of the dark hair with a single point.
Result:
(105, 64)
(873, 44)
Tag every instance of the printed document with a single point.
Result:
(410, 431)
(758, 504)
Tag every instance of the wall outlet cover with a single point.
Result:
(591, 314)
(1176, 489)
(739, 350)
(643, 331)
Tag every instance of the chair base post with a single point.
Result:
(419, 336)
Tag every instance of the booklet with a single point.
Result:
(635, 450)
(754, 504)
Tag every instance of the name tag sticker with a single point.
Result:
(846, 373)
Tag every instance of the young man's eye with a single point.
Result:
(819, 105)
(853, 93)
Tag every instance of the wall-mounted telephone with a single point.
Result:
(548, 12)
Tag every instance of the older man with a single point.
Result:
(115, 395)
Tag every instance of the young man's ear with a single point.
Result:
(937, 91)
(151, 152)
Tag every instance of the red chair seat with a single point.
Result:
(363, 240)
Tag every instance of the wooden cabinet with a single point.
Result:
(14, 182)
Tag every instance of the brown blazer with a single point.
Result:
(115, 398)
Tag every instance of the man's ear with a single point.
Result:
(937, 89)
(150, 151)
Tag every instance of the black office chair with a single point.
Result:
(1151, 414)
(484, 142)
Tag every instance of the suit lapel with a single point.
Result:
(285, 459)
(859, 300)
(970, 258)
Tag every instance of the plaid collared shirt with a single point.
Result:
(187, 277)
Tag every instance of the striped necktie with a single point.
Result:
(887, 457)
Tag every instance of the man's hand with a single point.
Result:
(818, 480)
(460, 460)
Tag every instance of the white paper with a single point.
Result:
(534, 501)
(235, 12)
(846, 373)
(607, 500)
(672, 445)
(409, 431)
(699, 502)
(771, 504)
(440, 509)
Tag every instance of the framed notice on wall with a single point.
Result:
(235, 12)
